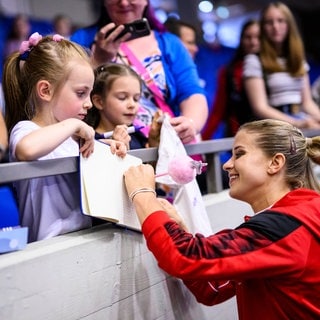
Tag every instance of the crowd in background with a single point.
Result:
(218, 84)
(67, 88)
(215, 56)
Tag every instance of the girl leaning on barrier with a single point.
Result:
(47, 87)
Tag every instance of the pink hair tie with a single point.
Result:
(57, 37)
(26, 46)
(34, 39)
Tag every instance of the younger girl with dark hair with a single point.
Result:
(115, 96)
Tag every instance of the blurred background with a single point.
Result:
(218, 24)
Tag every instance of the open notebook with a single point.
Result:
(103, 193)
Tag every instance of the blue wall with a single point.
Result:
(41, 26)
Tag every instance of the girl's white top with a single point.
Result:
(49, 206)
(283, 88)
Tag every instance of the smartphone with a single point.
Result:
(138, 28)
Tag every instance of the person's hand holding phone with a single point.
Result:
(104, 48)
(109, 38)
(137, 29)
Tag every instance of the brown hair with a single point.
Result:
(174, 26)
(275, 136)
(240, 52)
(105, 75)
(49, 60)
(293, 46)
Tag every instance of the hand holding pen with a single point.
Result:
(120, 133)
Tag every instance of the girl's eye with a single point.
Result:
(137, 98)
(80, 93)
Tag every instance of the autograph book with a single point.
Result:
(103, 193)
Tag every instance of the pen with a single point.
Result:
(109, 134)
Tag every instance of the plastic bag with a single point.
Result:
(187, 198)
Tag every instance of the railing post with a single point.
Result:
(214, 174)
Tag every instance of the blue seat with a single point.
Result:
(9, 212)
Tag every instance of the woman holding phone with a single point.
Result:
(170, 76)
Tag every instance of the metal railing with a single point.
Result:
(211, 149)
(14, 171)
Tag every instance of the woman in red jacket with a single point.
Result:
(271, 261)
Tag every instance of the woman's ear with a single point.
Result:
(44, 90)
(277, 163)
(97, 101)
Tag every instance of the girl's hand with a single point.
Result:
(86, 135)
(116, 147)
(307, 123)
(155, 129)
(312, 123)
(120, 133)
(185, 128)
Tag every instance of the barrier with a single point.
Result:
(30, 169)
(212, 148)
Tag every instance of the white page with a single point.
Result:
(103, 192)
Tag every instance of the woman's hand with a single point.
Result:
(185, 128)
(173, 213)
(105, 47)
(138, 177)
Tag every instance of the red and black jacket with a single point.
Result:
(270, 262)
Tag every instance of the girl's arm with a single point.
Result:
(308, 104)
(40, 142)
(256, 92)
(3, 133)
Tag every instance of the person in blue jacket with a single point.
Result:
(170, 76)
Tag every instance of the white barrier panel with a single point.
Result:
(101, 273)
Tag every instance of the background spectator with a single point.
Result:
(19, 31)
(277, 80)
(186, 32)
(62, 24)
(231, 106)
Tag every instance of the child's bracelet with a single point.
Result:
(135, 192)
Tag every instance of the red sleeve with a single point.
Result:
(227, 255)
(218, 109)
(211, 292)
